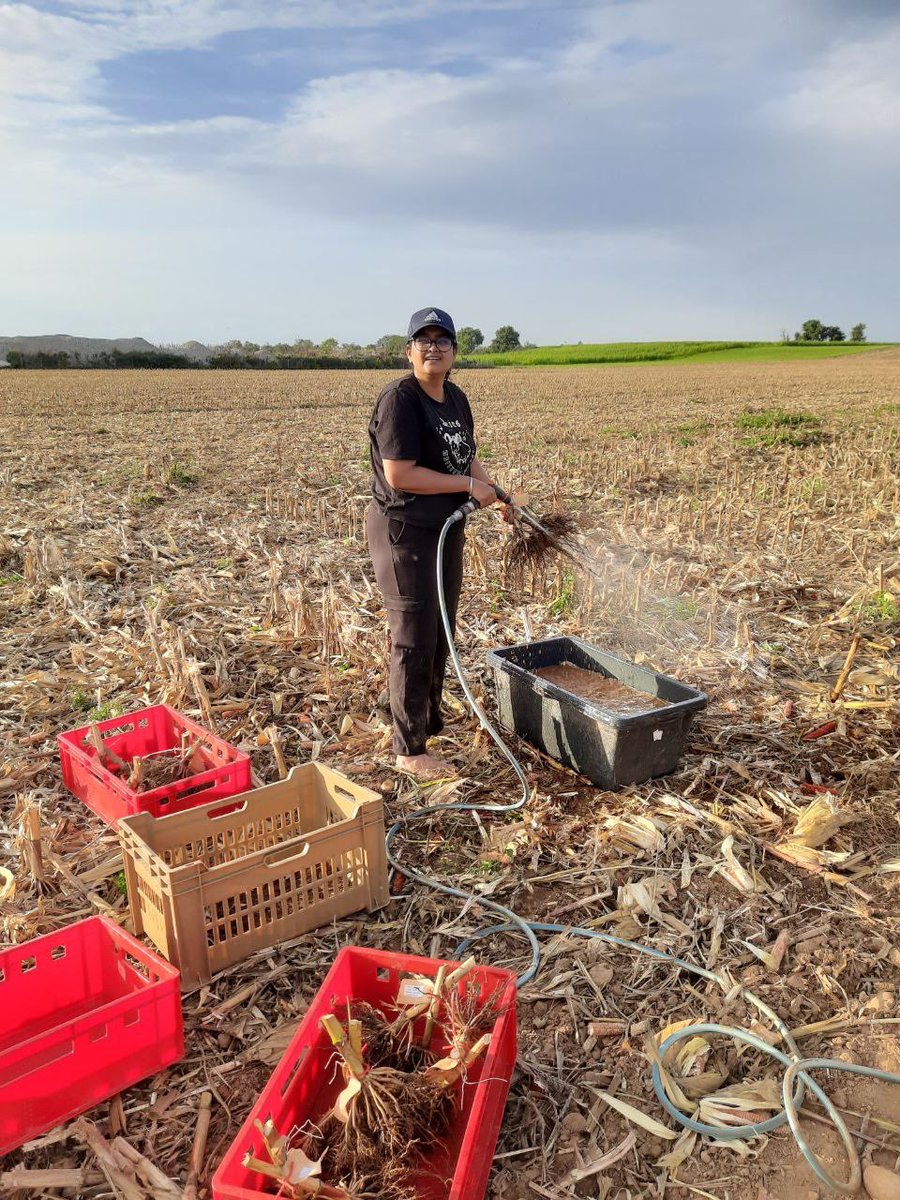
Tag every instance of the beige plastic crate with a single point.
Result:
(215, 883)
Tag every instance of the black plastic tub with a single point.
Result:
(611, 749)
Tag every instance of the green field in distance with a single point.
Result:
(662, 352)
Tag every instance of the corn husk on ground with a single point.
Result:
(198, 537)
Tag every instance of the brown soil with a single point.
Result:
(607, 693)
(744, 570)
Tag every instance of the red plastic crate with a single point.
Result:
(150, 729)
(305, 1083)
(84, 1013)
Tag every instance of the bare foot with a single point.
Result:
(424, 766)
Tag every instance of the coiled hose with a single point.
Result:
(796, 1078)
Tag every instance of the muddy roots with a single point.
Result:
(382, 1047)
(395, 1119)
(529, 549)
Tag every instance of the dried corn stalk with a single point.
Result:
(736, 874)
(636, 832)
(293, 1170)
(641, 896)
(818, 822)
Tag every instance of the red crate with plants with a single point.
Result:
(154, 760)
(394, 1085)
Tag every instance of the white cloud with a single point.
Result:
(180, 24)
(656, 144)
(853, 92)
(387, 121)
(57, 55)
(44, 55)
(706, 38)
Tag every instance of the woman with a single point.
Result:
(422, 447)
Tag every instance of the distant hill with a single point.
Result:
(195, 351)
(53, 343)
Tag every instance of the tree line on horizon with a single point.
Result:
(387, 351)
(330, 354)
(815, 331)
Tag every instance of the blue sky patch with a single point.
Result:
(636, 49)
(255, 73)
(247, 75)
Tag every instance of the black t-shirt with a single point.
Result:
(407, 424)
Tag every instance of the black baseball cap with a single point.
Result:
(430, 316)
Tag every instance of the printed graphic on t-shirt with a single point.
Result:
(457, 447)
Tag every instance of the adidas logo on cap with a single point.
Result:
(430, 316)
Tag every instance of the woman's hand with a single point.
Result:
(483, 493)
(518, 500)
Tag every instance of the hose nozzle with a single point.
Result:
(458, 514)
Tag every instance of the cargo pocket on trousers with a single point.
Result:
(411, 585)
(406, 604)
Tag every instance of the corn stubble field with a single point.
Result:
(199, 538)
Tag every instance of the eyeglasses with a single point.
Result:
(424, 344)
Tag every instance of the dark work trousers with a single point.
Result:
(404, 558)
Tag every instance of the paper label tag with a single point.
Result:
(415, 990)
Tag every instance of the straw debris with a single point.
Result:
(247, 601)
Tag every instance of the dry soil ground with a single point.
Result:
(199, 537)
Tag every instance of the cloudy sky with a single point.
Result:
(592, 170)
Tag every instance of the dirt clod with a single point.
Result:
(880, 1183)
(575, 1123)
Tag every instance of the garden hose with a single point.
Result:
(795, 1080)
(515, 921)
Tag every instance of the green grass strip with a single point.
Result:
(646, 352)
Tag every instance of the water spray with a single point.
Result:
(796, 1078)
